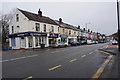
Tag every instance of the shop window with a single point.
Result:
(12, 29)
(17, 17)
(44, 27)
(37, 25)
(30, 41)
(52, 28)
(13, 42)
(36, 41)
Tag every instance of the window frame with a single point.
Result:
(12, 29)
(63, 31)
(52, 28)
(44, 27)
(17, 17)
(37, 27)
(69, 32)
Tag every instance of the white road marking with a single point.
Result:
(4, 60)
(32, 56)
(55, 51)
(18, 58)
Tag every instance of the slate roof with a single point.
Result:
(68, 26)
(35, 17)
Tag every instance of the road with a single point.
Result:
(70, 62)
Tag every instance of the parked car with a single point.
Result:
(58, 44)
(101, 41)
(114, 42)
(83, 42)
(89, 42)
(94, 42)
(75, 43)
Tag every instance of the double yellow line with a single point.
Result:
(28, 78)
(101, 69)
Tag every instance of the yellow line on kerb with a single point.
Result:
(101, 69)
(83, 55)
(73, 60)
(54, 67)
(28, 78)
(104, 52)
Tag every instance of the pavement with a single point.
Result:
(84, 62)
(110, 71)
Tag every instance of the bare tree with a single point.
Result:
(5, 20)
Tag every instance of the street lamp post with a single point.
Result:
(118, 25)
(86, 28)
(86, 25)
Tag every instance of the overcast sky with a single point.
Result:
(101, 15)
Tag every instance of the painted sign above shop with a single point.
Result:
(63, 36)
(27, 34)
(53, 35)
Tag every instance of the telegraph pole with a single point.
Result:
(118, 25)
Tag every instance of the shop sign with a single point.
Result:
(27, 34)
(63, 36)
(53, 36)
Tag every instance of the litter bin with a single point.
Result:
(42, 46)
(4, 47)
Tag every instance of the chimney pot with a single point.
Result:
(40, 13)
(78, 27)
(60, 20)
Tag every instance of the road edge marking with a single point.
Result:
(101, 69)
(28, 78)
(104, 52)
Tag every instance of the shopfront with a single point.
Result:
(28, 40)
(78, 38)
(71, 39)
(64, 38)
(52, 38)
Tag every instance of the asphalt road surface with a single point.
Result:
(70, 62)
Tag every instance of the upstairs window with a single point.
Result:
(69, 32)
(12, 29)
(63, 31)
(58, 30)
(37, 26)
(17, 17)
(18, 26)
(44, 27)
(52, 28)
(74, 33)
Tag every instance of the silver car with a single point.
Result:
(58, 44)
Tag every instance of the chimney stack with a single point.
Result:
(60, 20)
(40, 13)
(78, 27)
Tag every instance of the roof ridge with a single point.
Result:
(35, 17)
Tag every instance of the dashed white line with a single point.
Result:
(18, 58)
